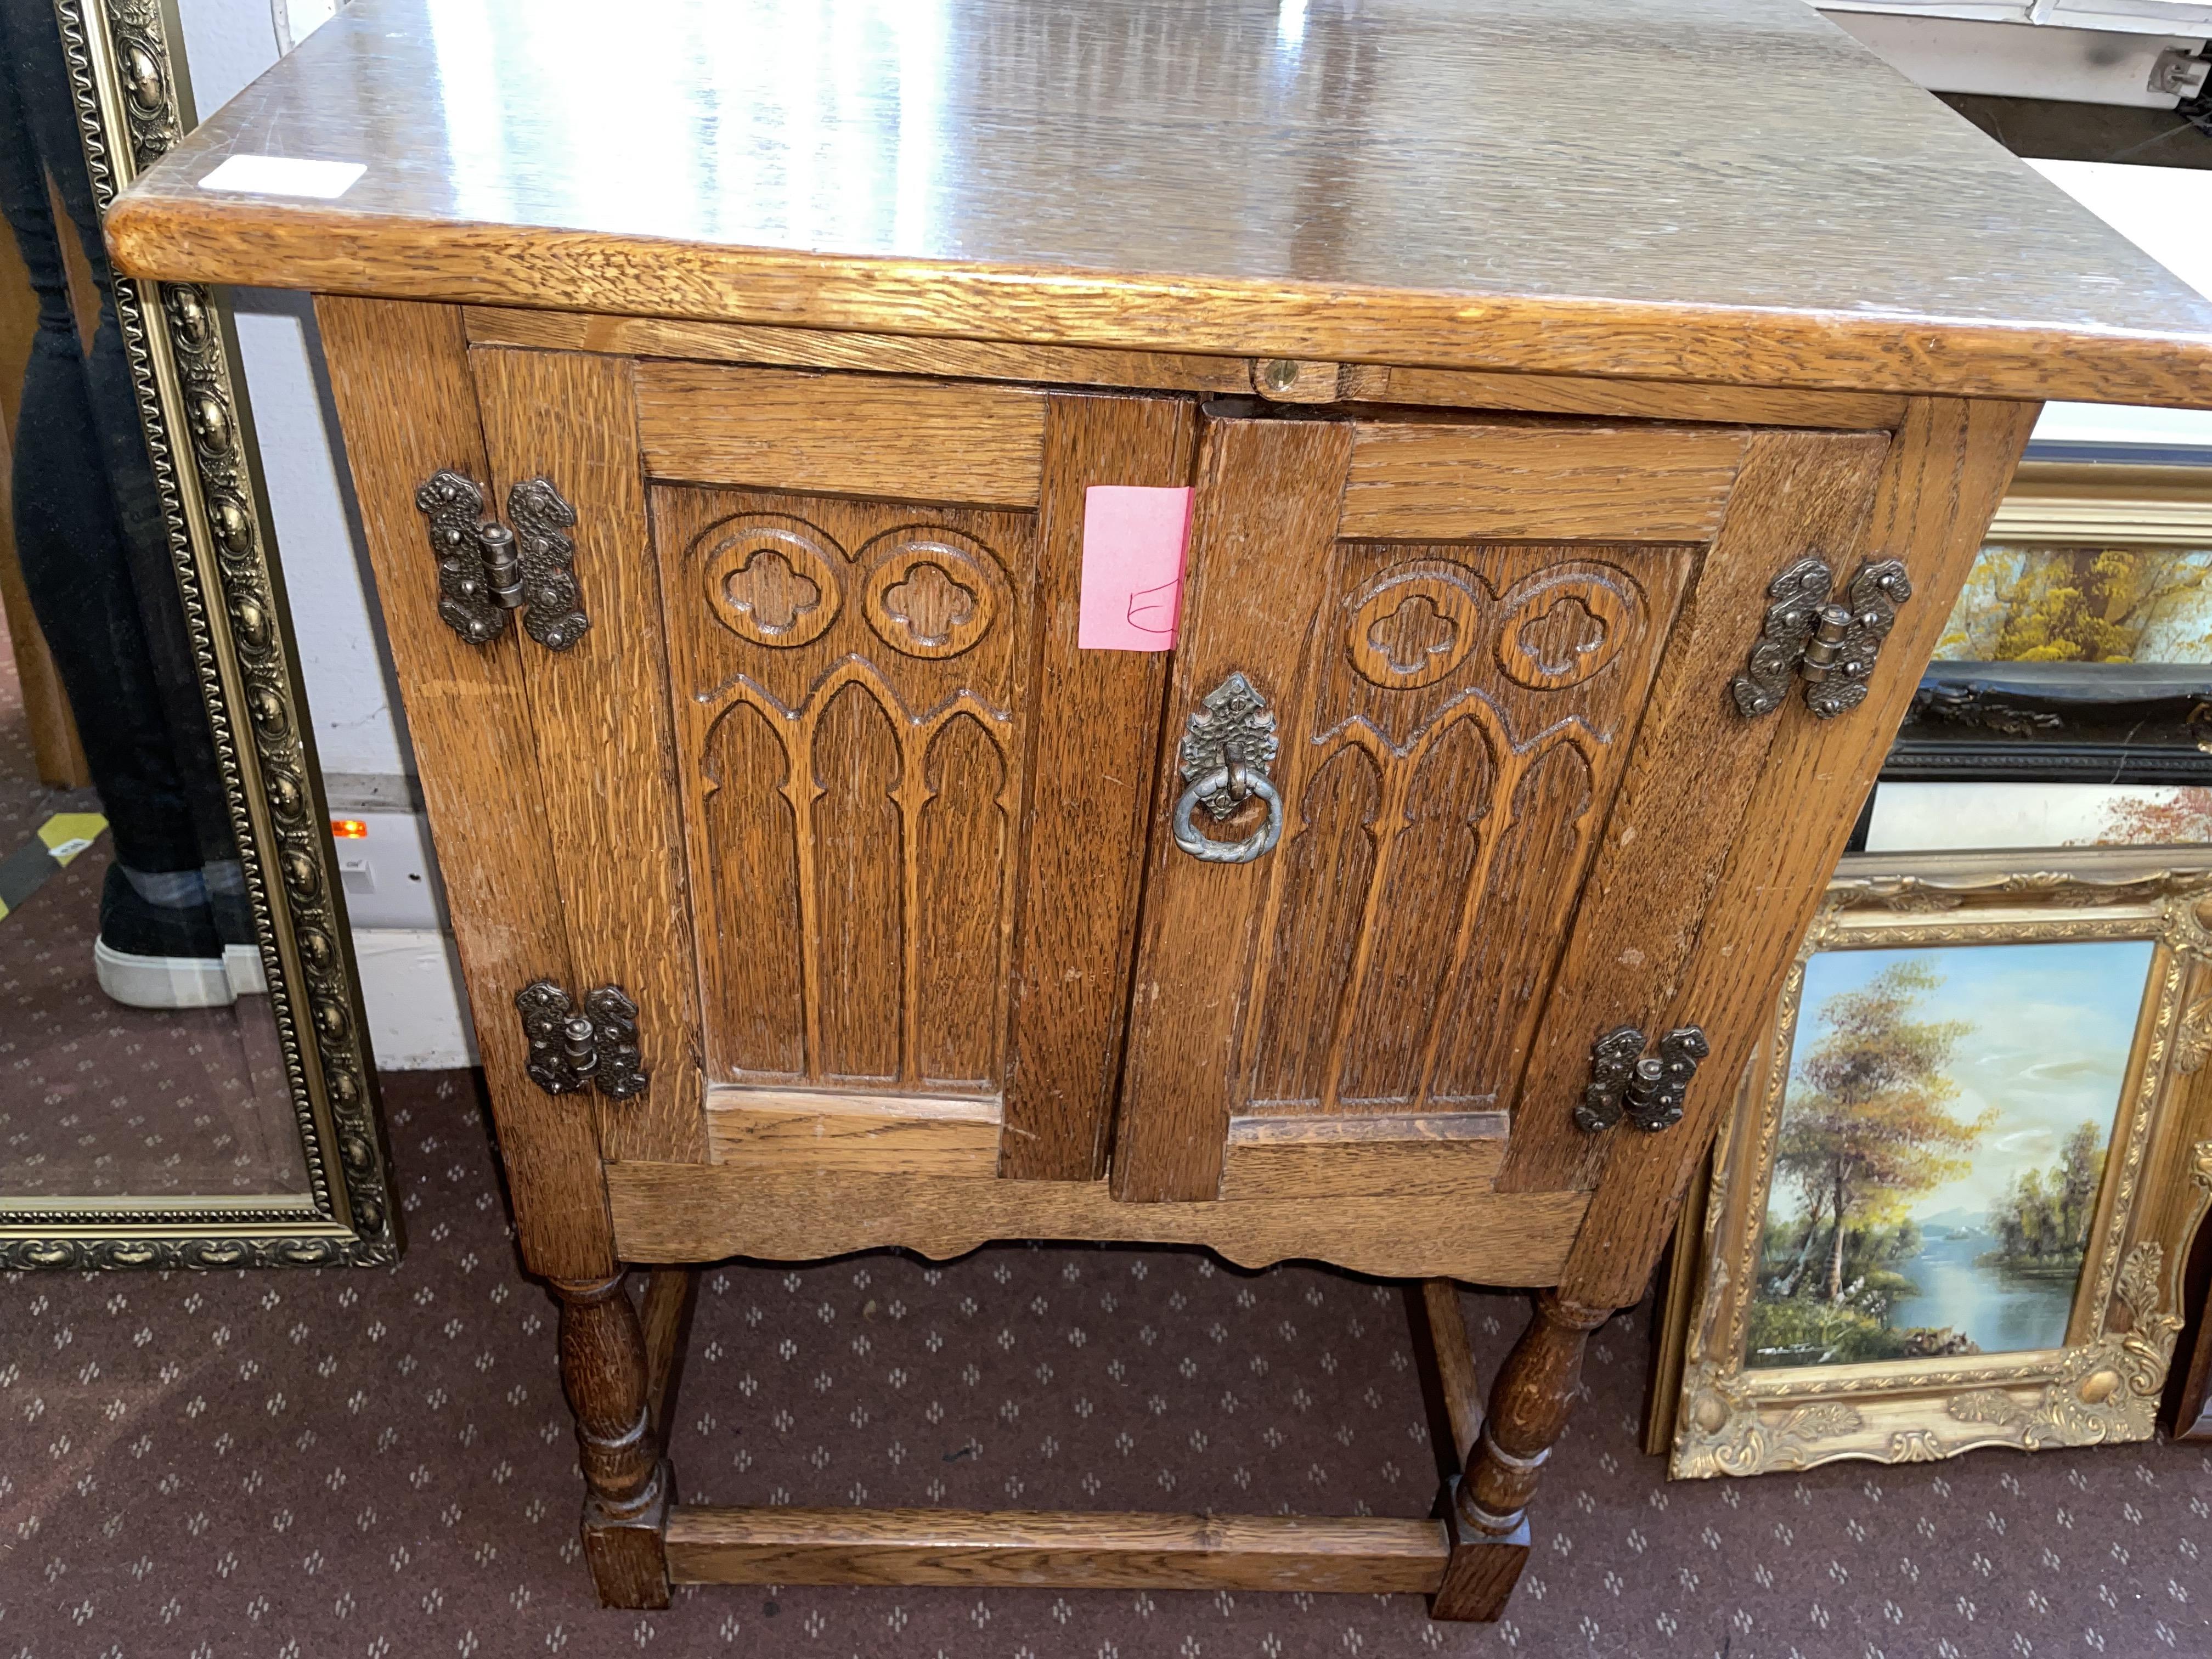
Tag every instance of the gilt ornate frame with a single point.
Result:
(2104, 1384)
(123, 61)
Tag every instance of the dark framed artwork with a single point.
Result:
(2081, 650)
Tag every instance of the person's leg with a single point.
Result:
(158, 944)
(50, 114)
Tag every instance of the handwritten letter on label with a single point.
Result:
(1133, 549)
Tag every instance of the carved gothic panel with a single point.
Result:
(1464, 721)
(848, 684)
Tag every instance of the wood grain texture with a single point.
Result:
(1417, 1129)
(878, 354)
(692, 1213)
(1333, 1156)
(851, 688)
(1945, 471)
(664, 1315)
(1359, 1169)
(1480, 1572)
(605, 1375)
(1416, 479)
(1530, 1399)
(1090, 790)
(1468, 714)
(1462, 1389)
(770, 1129)
(1118, 1550)
(400, 376)
(1695, 764)
(1571, 394)
(606, 779)
(1263, 526)
(1170, 371)
(841, 435)
(1087, 183)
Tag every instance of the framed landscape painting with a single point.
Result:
(1964, 1172)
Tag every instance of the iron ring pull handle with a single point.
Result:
(1221, 779)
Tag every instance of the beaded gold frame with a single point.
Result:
(133, 104)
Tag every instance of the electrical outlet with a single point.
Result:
(387, 871)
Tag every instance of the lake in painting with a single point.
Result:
(1941, 1146)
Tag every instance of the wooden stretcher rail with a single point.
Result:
(1065, 1549)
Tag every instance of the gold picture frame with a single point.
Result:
(2102, 1382)
(124, 63)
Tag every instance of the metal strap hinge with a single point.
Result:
(486, 570)
(570, 1051)
(1831, 646)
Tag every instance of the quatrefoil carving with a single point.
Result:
(1414, 625)
(1563, 624)
(771, 580)
(1416, 631)
(930, 603)
(776, 595)
(1558, 641)
(929, 597)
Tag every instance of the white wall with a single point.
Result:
(2167, 213)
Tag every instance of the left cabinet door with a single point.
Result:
(832, 793)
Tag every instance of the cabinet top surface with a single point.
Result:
(1701, 189)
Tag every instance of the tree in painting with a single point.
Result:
(1868, 1129)
(2042, 1225)
(2167, 817)
(2083, 605)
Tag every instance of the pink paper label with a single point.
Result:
(1132, 548)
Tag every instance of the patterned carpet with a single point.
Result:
(100, 1100)
(289, 1465)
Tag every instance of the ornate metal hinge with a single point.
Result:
(486, 570)
(1649, 1088)
(1831, 646)
(1227, 750)
(569, 1051)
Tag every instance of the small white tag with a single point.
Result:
(283, 175)
(64, 851)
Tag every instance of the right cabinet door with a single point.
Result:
(1420, 659)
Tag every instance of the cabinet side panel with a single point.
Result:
(1937, 488)
(1268, 496)
(1694, 767)
(606, 765)
(1097, 740)
(400, 376)
(847, 682)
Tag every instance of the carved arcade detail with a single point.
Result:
(1455, 746)
(852, 756)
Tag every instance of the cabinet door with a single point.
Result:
(1458, 629)
(839, 803)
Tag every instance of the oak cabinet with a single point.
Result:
(1568, 526)
(910, 875)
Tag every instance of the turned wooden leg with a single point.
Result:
(1486, 1511)
(604, 1372)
